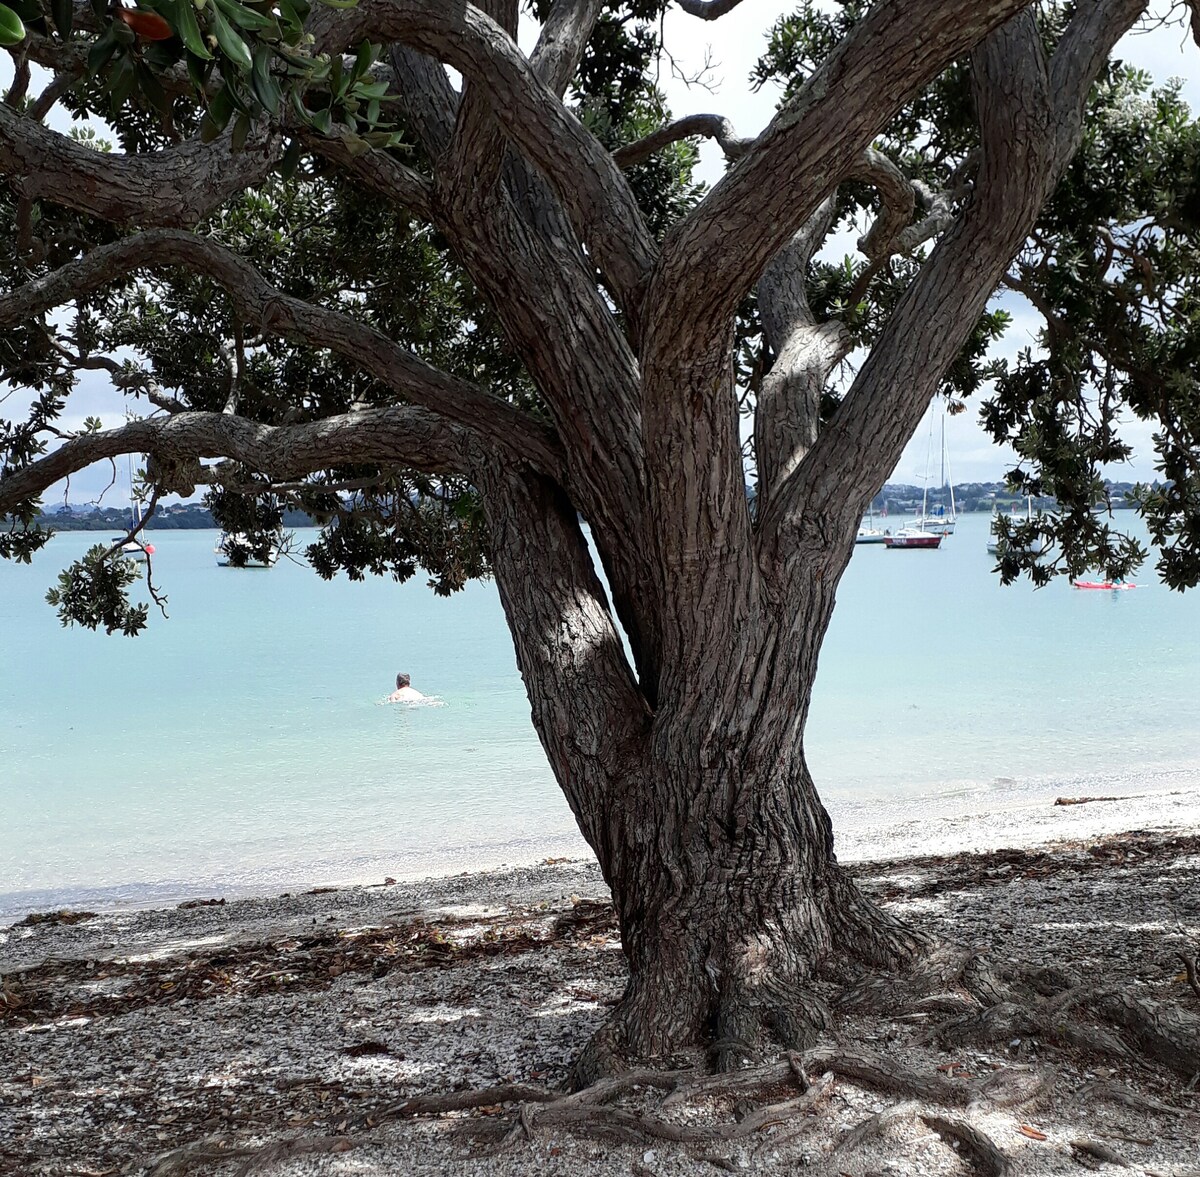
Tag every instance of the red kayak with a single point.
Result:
(1111, 585)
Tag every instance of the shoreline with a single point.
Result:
(860, 837)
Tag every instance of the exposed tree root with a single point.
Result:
(973, 1143)
(1017, 1086)
(984, 1003)
(1092, 1152)
(180, 1160)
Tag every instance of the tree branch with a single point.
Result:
(174, 187)
(716, 254)
(787, 415)
(427, 99)
(896, 194)
(564, 36)
(567, 645)
(477, 148)
(598, 201)
(379, 171)
(709, 126)
(400, 435)
(496, 422)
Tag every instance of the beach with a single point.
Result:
(291, 1033)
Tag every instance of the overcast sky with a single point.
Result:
(734, 44)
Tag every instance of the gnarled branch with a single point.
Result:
(597, 198)
(564, 36)
(716, 254)
(709, 126)
(174, 187)
(400, 435)
(497, 423)
(1029, 132)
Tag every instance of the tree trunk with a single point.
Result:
(703, 814)
(729, 897)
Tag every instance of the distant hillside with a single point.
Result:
(899, 498)
(896, 498)
(181, 517)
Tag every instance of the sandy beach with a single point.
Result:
(292, 1034)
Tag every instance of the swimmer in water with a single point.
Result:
(404, 693)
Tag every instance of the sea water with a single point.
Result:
(243, 745)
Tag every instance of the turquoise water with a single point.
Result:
(241, 745)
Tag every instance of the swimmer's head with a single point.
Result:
(402, 680)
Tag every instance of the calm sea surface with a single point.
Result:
(242, 745)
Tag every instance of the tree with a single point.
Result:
(455, 323)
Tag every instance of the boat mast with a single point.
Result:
(133, 505)
(942, 484)
(947, 473)
(925, 480)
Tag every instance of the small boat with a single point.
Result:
(913, 537)
(937, 521)
(236, 550)
(868, 533)
(993, 544)
(1115, 586)
(138, 552)
(871, 535)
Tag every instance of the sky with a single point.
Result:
(732, 45)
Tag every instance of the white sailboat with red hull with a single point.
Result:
(938, 520)
(914, 537)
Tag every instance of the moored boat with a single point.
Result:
(871, 535)
(913, 537)
(1115, 586)
(238, 551)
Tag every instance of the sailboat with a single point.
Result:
(993, 544)
(937, 521)
(868, 533)
(134, 549)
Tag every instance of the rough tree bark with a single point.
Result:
(684, 763)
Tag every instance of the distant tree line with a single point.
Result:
(894, 497)
(983, 496)
(184, 517)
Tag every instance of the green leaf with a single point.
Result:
(231, 44)
(63, 12)
(290, 160)
(100, 54)
(340, 3)
(266, 88)
(183, 17)
(322, 120)
(246, 18)
(12, 28)
(363, 60)
(199, 71)
(219, 112)
(152, 88)
(241, 128)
